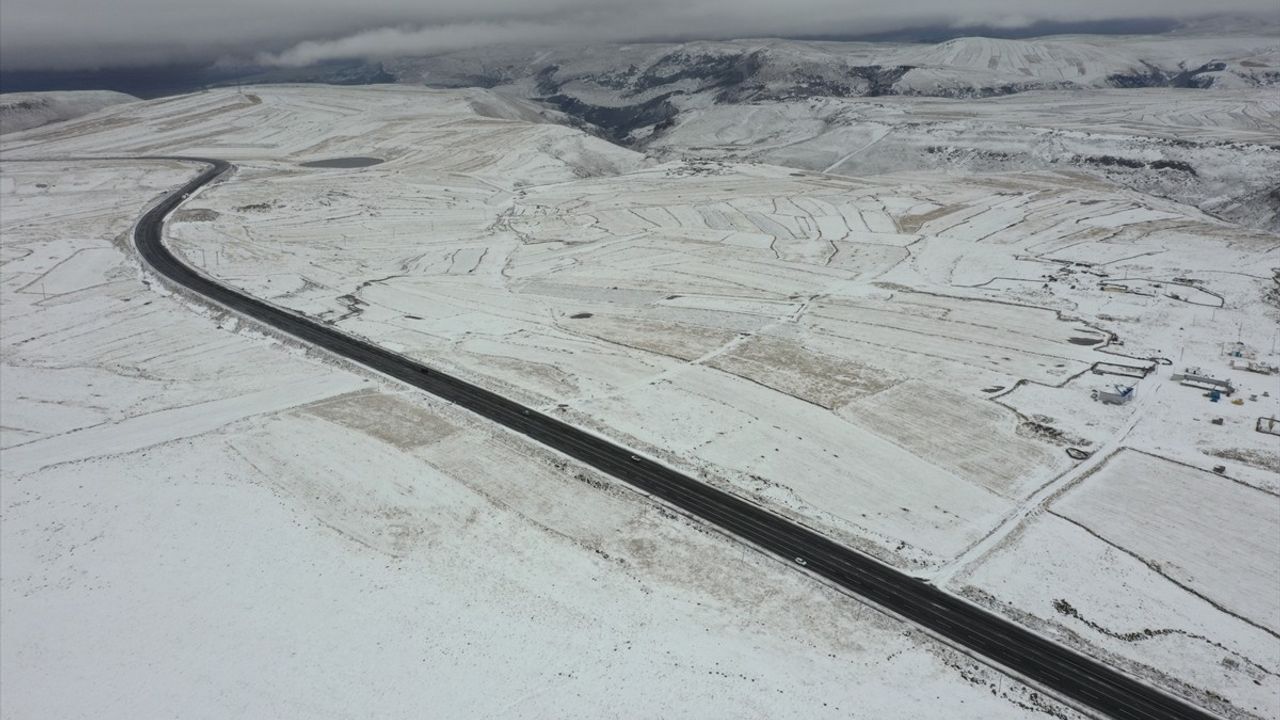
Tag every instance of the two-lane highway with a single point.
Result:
(1072, 675)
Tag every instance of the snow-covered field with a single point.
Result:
(1187, 585)
(900, 360)
(200, 521)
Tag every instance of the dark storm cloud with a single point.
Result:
(65, 34)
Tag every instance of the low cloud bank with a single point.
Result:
(70, 34)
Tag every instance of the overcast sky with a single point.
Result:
(83, 34)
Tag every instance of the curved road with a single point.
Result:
(1073, 675)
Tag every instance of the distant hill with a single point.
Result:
(26, 110)
(1190, 117)
(627, 91)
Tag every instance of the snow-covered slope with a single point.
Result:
(625, 75)
(987, 66)
(904, 362)
(199, 521)
(1191, 117)
(1216, 149)
(23, 111)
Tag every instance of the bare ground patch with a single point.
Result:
(790, 367)
(1260, 459)
(968, 436)
(385, 417)
(913, 223)
(679, 340)
(196, 215)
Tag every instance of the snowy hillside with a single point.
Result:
(937, 302)
(905, 362)
(203, 521)
(625, 75)
(986, 66)
(1216, 149)
(1189, 117)
(23, 111)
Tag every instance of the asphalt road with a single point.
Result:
(1065, 672)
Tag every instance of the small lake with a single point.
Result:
(344, 162)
